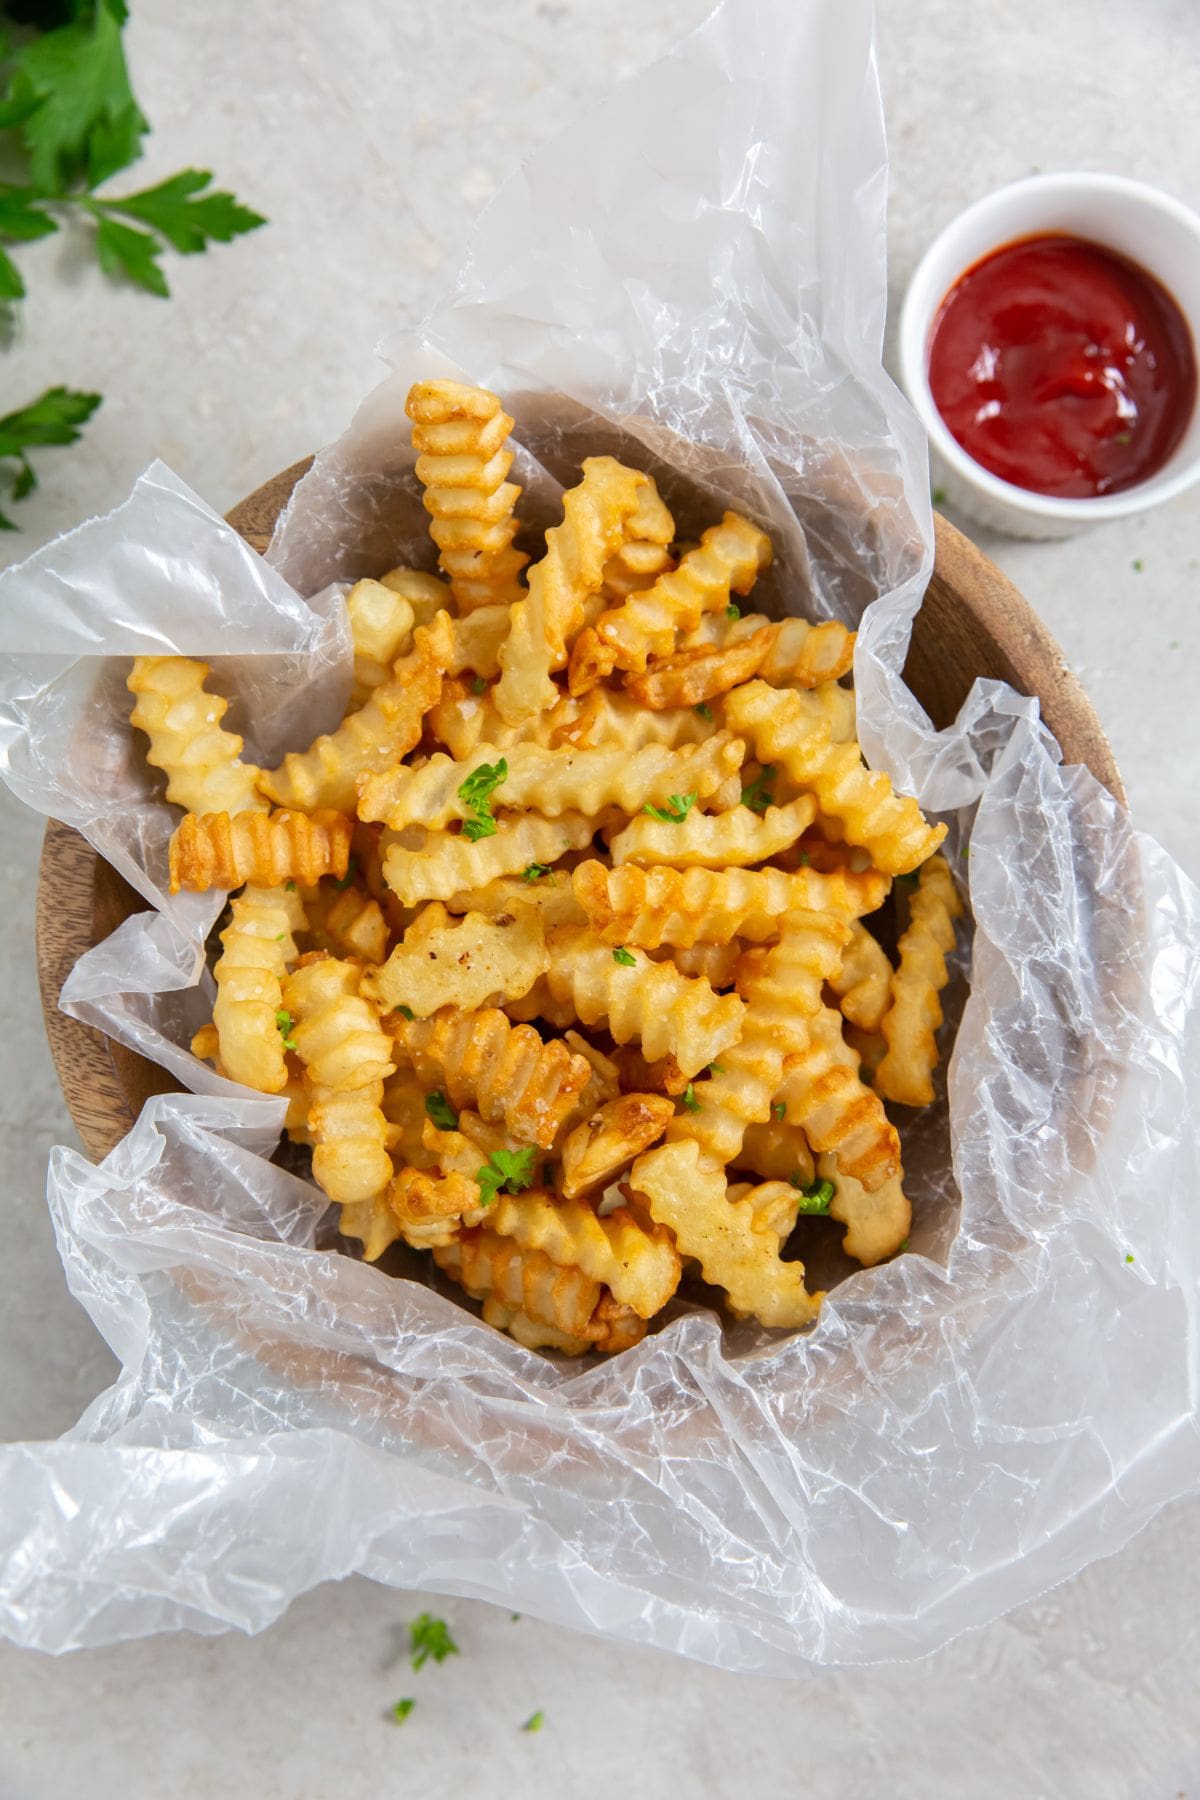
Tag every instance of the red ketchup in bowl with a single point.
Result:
(1061, 367)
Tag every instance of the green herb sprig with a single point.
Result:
(429, 1639)
(760, 793)
(509, 1171)
(440, 1111)
(476, 795)
(676, 810)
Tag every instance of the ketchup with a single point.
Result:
(1062, 367)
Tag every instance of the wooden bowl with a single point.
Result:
(973, 622)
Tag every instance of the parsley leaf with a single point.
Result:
(779, 1108)
(476, 795)
(402, 1709)
(441, 1112)
(124, 251)
(510, 1170)
(760, 794)
(479, 685)
(733, 610)
(55, 417)
(290, 886)
(406, 1012)
(284, 1024)
(676, 810)
(178, 210)
(902, 1247)
(534, 1722)
(85, 124)
(625, 957)
(430, 1637)
(534, 871)
(689, 1099)
(704, 711)
(938, 496)
(814, 1199)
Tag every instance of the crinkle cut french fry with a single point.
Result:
(353, 924)
(488, 1265)
(381, 628)
(375, 737)
(477, 641)
(878, 1222)
(777, 1151)
(530, 1332)
(681, 907)
(783, 995)
(504, 1071)
(463, 720)
(424, 593)
(693, 677)
(461, 433)
(714, 840)
(607, 716)
(728, 559)
(798, 654)
(200, 758)
(258, 945)
(823, 1094)
(910, 1023)
(669, 1014)
(433, 1209)
(466, 962)
(646, 552)
(685, 1190)
(549, 781)
(452, 864)
(773, 1204)
(717, 963)
(607, 1142)
(551, 894)
(223, 850)
(863, 984)
(593, 527)
(796, 737)
(640, 1267)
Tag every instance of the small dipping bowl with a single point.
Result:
(1146, 227)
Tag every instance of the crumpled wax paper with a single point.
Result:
(694, 274)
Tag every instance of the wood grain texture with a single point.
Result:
(973, 623)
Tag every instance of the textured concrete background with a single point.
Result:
(371, 136)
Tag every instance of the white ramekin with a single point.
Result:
(1148, 227)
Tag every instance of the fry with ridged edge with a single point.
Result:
(640, 1267)
(608, 716)
(714, 840)
(257, 948)
(686, 1191)
(549, 781)
(794, 736)
(783, 995)
(448, 863)
(668, 1013)
(463, 719)
(877, 1222)
(728, 560)
(645, 553)
(777, 1151)
(682, 907)
(607, 1142)
(373, 738)
(381, 628)
(199, 756)
(910, 1023)
(863, 984)
(797, 655)
(466, 962)
(543, 623)
(823, 1094)
(460, 433)
(551, 894)
(526, 1281)
(504, 1071)
(347, 922)
(220, 850)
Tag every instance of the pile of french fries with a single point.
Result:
(559, 947)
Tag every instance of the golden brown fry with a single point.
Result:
(352, 924)
(477, 641)
(433, 1209)
(797, 655)
(863, 983)
(639, 1266)
(777, 1151)
(487, 1265)
(543, 623)
(449, 863)
(637, 1076)
(910, 1023)
(381, 627)
(869, 1046)
(466, 962)
(796, 737)
(773, 1204)
(551, 894)
(258, 946)
(691, 677)
(606, 1143)
(504, 1071)
(878, 1222)
(716, 962)
(424, 593)
(714, 840)
(823, 1094)
(530, 1332)
(199, 757)
(636, 998)
(646, 552)
(375, 737)
(463, 719)
(219, 850)
(461, 433)
(686, 1191)
(662, 905)
(608, 716)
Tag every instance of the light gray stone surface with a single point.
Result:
(371, 136)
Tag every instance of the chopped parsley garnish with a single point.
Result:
(479, 685)
(688, 1097)
(903, 1248)
(704, 711)
(805, 860)
(733, 610)
(760, 794)
(534, 1722)
(779, 1108)
(1138, 565)
(939, 496)
(1129, 1256)
(440, 1111)
(280, 937)
(714, 1069)
(290, 886)
(402, 1709)
(625, 957)
(534, 871)
(814, 1199)
(513, 1617)
(476, 795)
(430, 1637)
(676, 810)
(284, 1024)
(406, 1012)
(348, 877)
(505, 1171)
